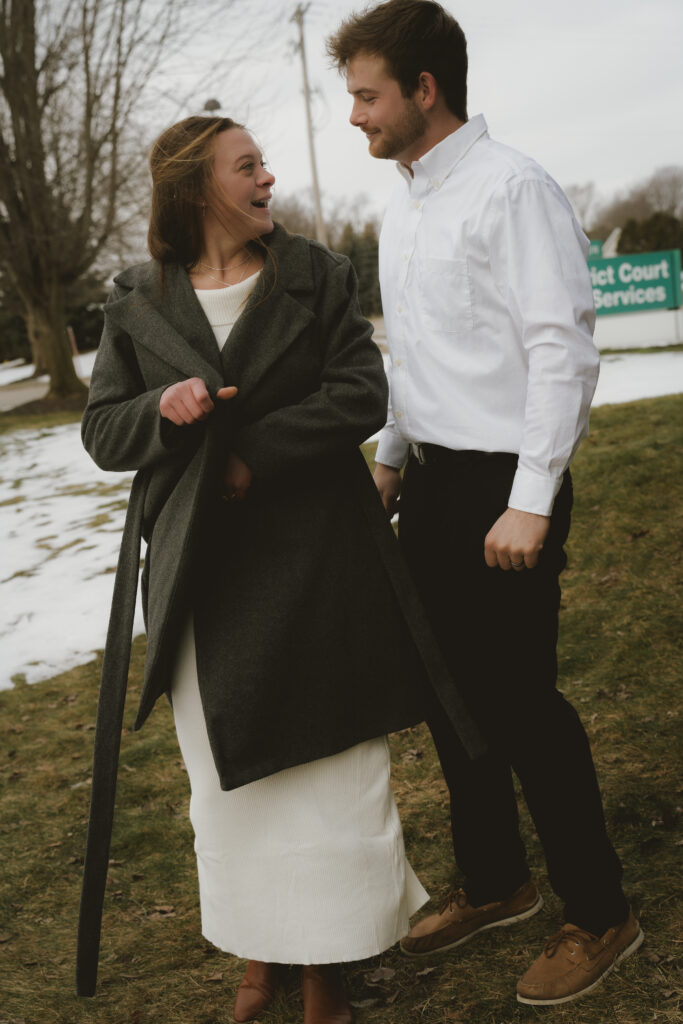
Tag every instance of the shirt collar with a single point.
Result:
(432, 169)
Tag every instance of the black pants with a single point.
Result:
(498, 633)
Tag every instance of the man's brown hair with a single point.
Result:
(412, 36)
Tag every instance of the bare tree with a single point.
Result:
(662, 192)
(665, 190)
(73, 74)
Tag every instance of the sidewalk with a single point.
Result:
(18, 387)
(22, 391)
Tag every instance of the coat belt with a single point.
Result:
(108, 741)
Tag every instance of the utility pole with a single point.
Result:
(320, 230)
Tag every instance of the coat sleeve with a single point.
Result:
(122, 428)
(351, 401)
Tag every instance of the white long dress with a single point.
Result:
(304, 866)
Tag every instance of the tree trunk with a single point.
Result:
(39, 367)
(49, 326)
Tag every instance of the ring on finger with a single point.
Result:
(516, 565)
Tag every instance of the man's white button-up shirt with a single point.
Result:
(489, 312)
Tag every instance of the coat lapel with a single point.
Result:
(273, 317)
(266, 329)
(169, 321)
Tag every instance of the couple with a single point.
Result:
(237, 376)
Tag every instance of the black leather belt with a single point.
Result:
(429, 454)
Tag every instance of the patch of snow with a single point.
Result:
(60, 522)
(628, 377)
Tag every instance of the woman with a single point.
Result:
(237, 375)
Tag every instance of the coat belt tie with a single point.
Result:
(108, 730)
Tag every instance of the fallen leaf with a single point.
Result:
(215, 977)
(379, 975)
(5, 938)
(426, 971)
(79, 785)
(364, 1004)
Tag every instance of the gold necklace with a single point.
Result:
(225, 285)
(229, 267)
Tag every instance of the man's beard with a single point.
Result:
(396, 140)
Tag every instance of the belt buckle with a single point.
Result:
(419, 453)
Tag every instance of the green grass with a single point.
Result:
(620, 656)
(13, 420)
(646, 350)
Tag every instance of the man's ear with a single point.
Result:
(427, 90)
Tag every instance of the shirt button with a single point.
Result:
(406, 256)
(399, 309)
(399, 414)
(416, 205)
(398, 362)
(436, 183)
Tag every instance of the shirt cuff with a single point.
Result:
(532, 492)
(392, 449)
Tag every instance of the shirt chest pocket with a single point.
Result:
(446, 295)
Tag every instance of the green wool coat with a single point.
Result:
(309, 636)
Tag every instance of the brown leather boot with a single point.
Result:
(257, 989)
(325, 998)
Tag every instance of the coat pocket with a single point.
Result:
(446, 294)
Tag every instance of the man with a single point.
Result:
(489, 316)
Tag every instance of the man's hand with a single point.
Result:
(237, 478)
(188, 401)
(388, 483)
(515, 540)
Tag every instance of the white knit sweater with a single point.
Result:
(223, 306)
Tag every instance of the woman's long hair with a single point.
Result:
(181, 163)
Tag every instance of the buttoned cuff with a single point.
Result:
(532, 492)
(392, 449)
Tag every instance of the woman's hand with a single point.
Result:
(237, 478)
(188, 401)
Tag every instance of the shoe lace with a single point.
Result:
(455, 896)
(567, 936)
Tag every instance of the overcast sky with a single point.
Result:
(593, 90)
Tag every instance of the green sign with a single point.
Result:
(595, 249)
(628, 284)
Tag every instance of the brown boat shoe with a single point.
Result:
(457, 921)
(574, 962)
